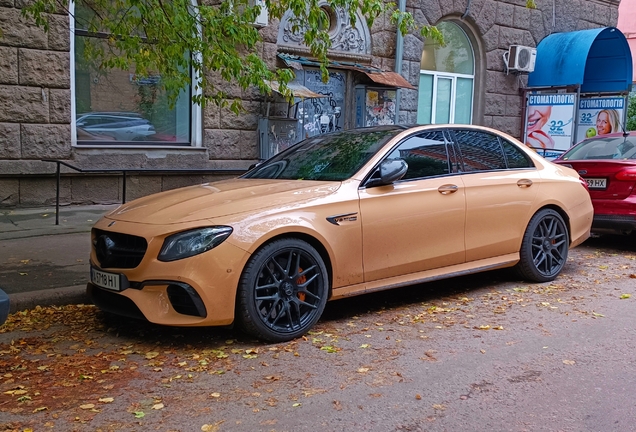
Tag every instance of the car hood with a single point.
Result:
(212, 200)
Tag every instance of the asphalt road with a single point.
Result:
(479, 353)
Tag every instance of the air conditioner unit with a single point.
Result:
(263, 18)
(521, 58)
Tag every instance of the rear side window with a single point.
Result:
(515, 157)
(480, 151)
(426, 155)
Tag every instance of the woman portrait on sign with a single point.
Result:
(607, 121)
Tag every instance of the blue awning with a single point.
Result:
(598, 59)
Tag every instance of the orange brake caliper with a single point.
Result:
(301, 280)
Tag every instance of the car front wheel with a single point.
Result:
(544, 248)
(283, 291)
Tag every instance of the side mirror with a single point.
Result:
(389, 171)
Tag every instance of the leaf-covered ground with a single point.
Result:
(73, 368)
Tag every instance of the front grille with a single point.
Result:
(117, 250)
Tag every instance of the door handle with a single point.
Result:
(524, 183)
(447, 189)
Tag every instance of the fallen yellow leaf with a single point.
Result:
(569, 362)
(152, 354)
(106, 400)
(87, 406)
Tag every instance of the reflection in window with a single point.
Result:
(480, 151)
(446, 78)
(515, 157)
(425, 155)
(117, 106)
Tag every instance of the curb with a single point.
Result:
(49, 297)
(39, 232)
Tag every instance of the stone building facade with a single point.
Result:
(38, 118)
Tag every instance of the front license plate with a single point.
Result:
(596, 183)
(111, 281)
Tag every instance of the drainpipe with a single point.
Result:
(467, 11)
(399, 51)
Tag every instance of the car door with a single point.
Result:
(501, 184)
(416, 223)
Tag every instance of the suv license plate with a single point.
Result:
(111, 281)
(596, 183)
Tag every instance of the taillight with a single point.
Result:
(627, 174)
(584, 183)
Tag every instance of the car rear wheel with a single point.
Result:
(283, 291)
(544, 248)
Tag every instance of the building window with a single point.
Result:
(447, 75)
(116, 107)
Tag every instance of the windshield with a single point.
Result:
(604, 148)
(329, 157)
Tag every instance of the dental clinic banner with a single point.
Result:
(599, 116)
(550, 121)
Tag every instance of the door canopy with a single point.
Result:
(599, 60)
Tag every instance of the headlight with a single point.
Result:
(193, 242)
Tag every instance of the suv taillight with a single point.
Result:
(627, 174)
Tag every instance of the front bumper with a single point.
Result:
(195, 291)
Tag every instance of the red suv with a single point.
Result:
(608, 165)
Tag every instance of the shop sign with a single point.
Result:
(549, 121)
(599, 116)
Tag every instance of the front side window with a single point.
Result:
(117, 107)
(447, 75)
(426, 155)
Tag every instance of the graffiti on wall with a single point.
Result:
(321, 115)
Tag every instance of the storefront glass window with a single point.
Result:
(118, 107)
(447, 78)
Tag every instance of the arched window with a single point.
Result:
(447, 75)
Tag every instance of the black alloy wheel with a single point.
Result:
(283, 291)
(544, 248)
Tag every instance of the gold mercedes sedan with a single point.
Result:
(338, 215)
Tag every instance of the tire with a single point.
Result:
(282, 291)
(544, 248)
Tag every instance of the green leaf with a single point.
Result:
(139, 414)
(625, 296)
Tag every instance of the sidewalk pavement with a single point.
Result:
(42, 263)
